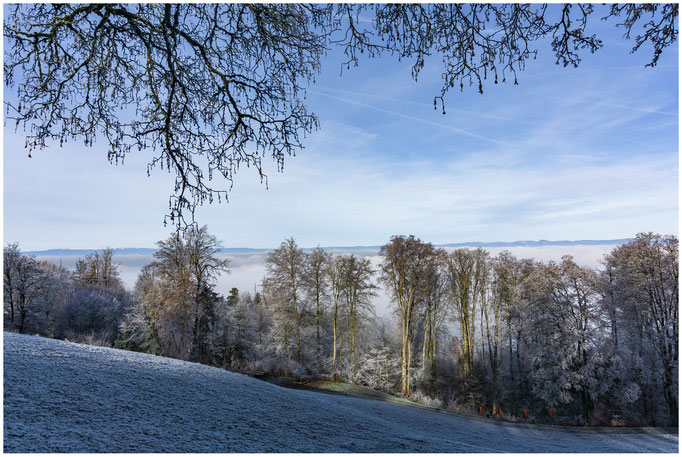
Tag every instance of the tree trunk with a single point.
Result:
(336, 313)
(433, 358)
(298, 332)
(403, 360)
(385, 371)
(511, 372)
(483, 305)
(22, 319)
(669, 395)
(495, 376)
(587, 405)
(352, 310)
(195, 333)
(21, 308)
(409, 363)
(10, 293)
(427, 326)
(523, 379)
(317, 323)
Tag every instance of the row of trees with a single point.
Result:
(309, 289)
(598, 342)
(468, 330)
(43, 298)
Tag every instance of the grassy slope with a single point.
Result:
(65, 397)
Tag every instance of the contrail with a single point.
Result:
(646, 110)
(398, 100)
(396, 113)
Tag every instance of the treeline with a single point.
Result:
(502, 336)
(86, 305)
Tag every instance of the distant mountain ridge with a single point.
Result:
(473, 244)
(502, 244)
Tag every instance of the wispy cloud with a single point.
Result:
(408, 116)
(404, 101)
(568, 153)
(614, 105)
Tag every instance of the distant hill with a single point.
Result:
(474, 244)
(82, 252)
(512, 244)
(123, 251)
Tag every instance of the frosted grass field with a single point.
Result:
(65, 397)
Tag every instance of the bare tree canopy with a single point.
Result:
(210, 87)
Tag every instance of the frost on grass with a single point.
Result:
(66, 397)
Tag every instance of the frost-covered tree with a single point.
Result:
(203, 258)
(98, 269)
(202, 250)
(468, 275)
(59, 288)
(495, 294)
(242, 318)
(316, 288)
(378, 367)
(622, 344)
(358, 289)
(96, 308)
(24, 289)
(403, 271)
(435, 310)
(177, 295)
(283, 284)
(643, 301)
(140, 326)
(177, 287)
(567, 360)
(509, 274)
(335, 278)
(11, 256)
(91, 315)
(220, 337)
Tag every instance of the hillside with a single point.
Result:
(65, 397)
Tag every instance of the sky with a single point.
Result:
(587, 153)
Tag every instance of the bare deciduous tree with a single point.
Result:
(283, 283)
(403, 271)
(334, 272)
(210, 87)
(358, 290)
(315, 283)
(468, 274)
(435, 312)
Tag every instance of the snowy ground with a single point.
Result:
(64, 397)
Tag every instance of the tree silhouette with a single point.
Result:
(210, 87)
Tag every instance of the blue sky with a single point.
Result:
(587, 153)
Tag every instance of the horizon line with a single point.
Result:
(483, 244)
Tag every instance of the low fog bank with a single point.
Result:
(248, 269)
